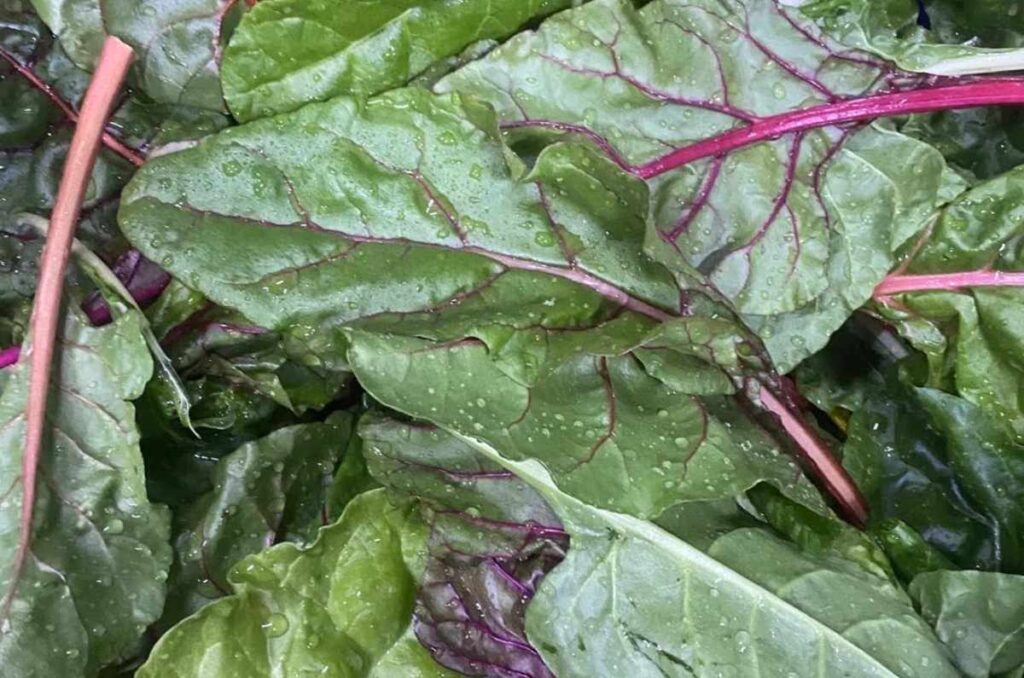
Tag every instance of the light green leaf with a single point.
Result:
(340, 608)
(608, 431)
(979, 615)
(286, 53)
(631, 598)
(98, 551)
(890, 28)
(545, 307)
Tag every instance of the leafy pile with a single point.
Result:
(519, 338)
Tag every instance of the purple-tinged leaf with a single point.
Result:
(492, 541)
(140, 276)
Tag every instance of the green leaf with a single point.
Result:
(814, 233)
(492, 540)
(341, 607)
(979, 615)
(890, 28)
(973, 337)
(609, 432)
(271, 490)
(178, 43)
(945, 467)
(304, 242)
(754, 604)
(98, 551)
(287, 53)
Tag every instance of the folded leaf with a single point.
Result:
(753, 604)
(98, 550)
(341, 607)
(979, 615)
(357, 47)
(266, 492)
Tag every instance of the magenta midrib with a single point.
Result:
(976, 94)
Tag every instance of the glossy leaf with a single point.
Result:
(492, 541)
(754, 604)
(341, 607)
(268, 491)
(354, 46)
(179, 44)
(98, 558)
(548, 306)
(813, 234)
(953, 45)
(979, 615)
(945, 467)
(972, 336)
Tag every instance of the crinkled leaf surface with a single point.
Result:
(287, 53)
(973, 337)
(470, 297)
(98, 552)
(268, 491)
(947, 468)
(980, 617)
(753, 605)
(814, 232)
(178, 43)
(340, 608)
(492, 541)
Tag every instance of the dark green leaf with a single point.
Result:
(945, 467)
(178, 43)
(266, 492)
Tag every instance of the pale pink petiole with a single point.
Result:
(901, 284)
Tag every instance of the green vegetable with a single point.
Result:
(516, 339)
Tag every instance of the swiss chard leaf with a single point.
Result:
(492, 541)
(536, 280)
(947, 468)
(268, 491)
(179, 44)
(958, 40)
(98, 551)
(356, 47)
(949, 298)
(343, 606)
(752, 603)
(814, 233)
(980, 617)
